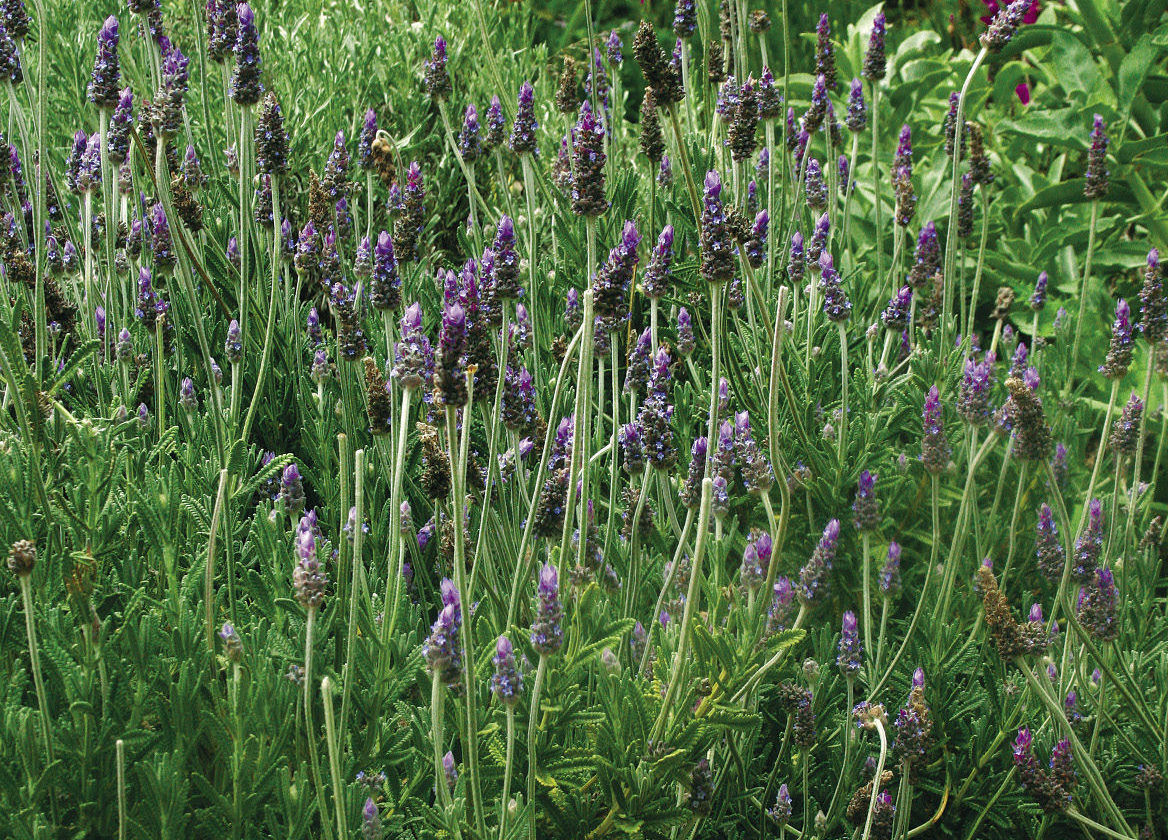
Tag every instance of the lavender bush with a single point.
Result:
(430, 421)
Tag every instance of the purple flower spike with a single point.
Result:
(1119, 353)
(656, 281)
(890, 573)
(875, 61)
(588, 159)
(717, 244)
(685, 332)
(685, 18)
(813, 577)
(613, 49)
(449, 363)
(814, 186)
(507, 682)
(836, 305)
(973, 399)
(245, 82)
(470, 144)
(547, 634)
(857, 117)
(1048, 547)
(384, 281)
(866, 505)
(1038, 299)
(797, 261)
(1097, 185)
(292, 490)
(1004, 24)
(935, 451)
(437, 80)
(365, 141)
(506, 269)
(850, 658)
(370, 820)
(1154, 302)
(780, 812)
(442, 650)
(103, 84)
(524, 128)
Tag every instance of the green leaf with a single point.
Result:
(1134, 69)
(1063, 127)
(1074, 66)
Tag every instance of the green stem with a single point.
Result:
(679, 659)
(532, 723)
(458, 468)
(505, 799)
(34, 656)
(955, 191)
(326, 693)
(355, 563)
(1083, 289)
(879, 772)
(313, 757)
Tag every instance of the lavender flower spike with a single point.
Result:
(1119, 353)
(866, 506)
(717, 245)
(850, 657)
(524, 127)
(443, 649)
(836, 305)
(507, 683)
(1097, 185)
(588, 159)
(437, 80)
(245, 82)
(547, 633)
(813, 582)
(935, 449)
(103, 84)
(875, 60)
(656, 281)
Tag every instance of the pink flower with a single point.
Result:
(992, 9)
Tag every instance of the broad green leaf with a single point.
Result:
(1076, 68)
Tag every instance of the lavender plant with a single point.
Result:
(400, 371)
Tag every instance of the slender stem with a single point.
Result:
(34, 656)
(934, 491)
(356, 565)
(876, 779)
(506, 797)
(265, 356)
(532, 723)
(437, 696)
(1083, 289)
(121, 758)
(326, 693)
(394, 551)
(1139, 457)
(843, 430)
(865, 540)
(690, 186)
(245, 185)
(313, 757)
(209, 573)
(458, 470)
(679, 659)
(955, 191)
(876, 183)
